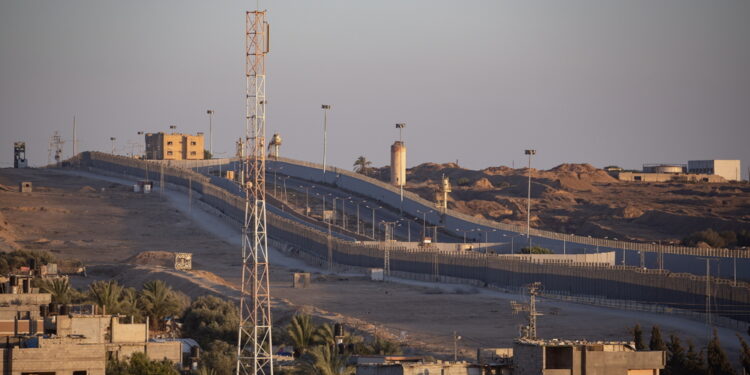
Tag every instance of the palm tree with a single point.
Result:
(325, 335)
(302, 331)
(323, 360)
(362, 165)
(106, 294)
(59, 288)
(158, 301)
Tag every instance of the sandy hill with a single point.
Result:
(583, 199)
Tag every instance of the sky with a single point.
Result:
(581, 81)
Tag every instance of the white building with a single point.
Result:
(729, 169)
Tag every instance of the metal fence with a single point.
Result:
(683, 291)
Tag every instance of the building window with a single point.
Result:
(79, 372)
(169, 143)
(169, 152)
(192, 143)
(192, 153)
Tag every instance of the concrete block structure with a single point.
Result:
(25, 187)
(728, 169)
(555, 357)
(175, 146)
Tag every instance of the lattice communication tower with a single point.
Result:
(254, 343)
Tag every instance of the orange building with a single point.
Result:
(175, 146)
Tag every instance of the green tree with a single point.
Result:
(675, 357)
(302, 333)
(384, 347)
(106, 295)
(656, 343)
(362, 165)
(207, 155)
(324, 360)
(744, 354)
(718, 362)
(129, 304)
(140, 364)
(211, 318)
(694, 363)
(59, 288)
(220, 357)
(158, 301)
(638, 337)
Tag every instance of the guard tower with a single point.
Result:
(398, 164)
(441, 196)
(274, 146)
(19, 155)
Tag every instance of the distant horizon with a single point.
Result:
(598, 82)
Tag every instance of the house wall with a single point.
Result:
(61, 359)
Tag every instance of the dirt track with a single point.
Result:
(107, 227)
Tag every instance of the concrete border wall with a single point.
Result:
(678, 290)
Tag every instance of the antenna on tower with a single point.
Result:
(254, 342)
(529, 331)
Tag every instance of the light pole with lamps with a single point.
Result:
(113, 139)
(325, 108)
(528, 200)
(210, 114)
(373, 208)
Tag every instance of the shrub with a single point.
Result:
(535, 250)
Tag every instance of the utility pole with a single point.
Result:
(528, 200)
(210, 113)
(709, 323)
(325, 108)
(456, 337)
(75, 140)
(254, 339)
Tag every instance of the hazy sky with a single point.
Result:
(606, 82)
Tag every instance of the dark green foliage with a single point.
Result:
(211, 318)
(718, 362)
(324, 360)
(139, 364)
(158, 301)
(14, 260)
(60, 290)
(384, 347)
(744, 354)
(220, 357)
(676, 360)
(362, 165)
(638, 337)
(463, 181)
(207, 155)
(535, 250)
(694, 362)
(656, 343)
(713, 238)
(301, 331)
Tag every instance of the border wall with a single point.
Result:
(678, 290)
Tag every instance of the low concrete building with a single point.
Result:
(728, 169)
(555, 357)
(395, 365)
(668, 177)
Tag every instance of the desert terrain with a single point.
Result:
(584, 200)
(129, 237)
